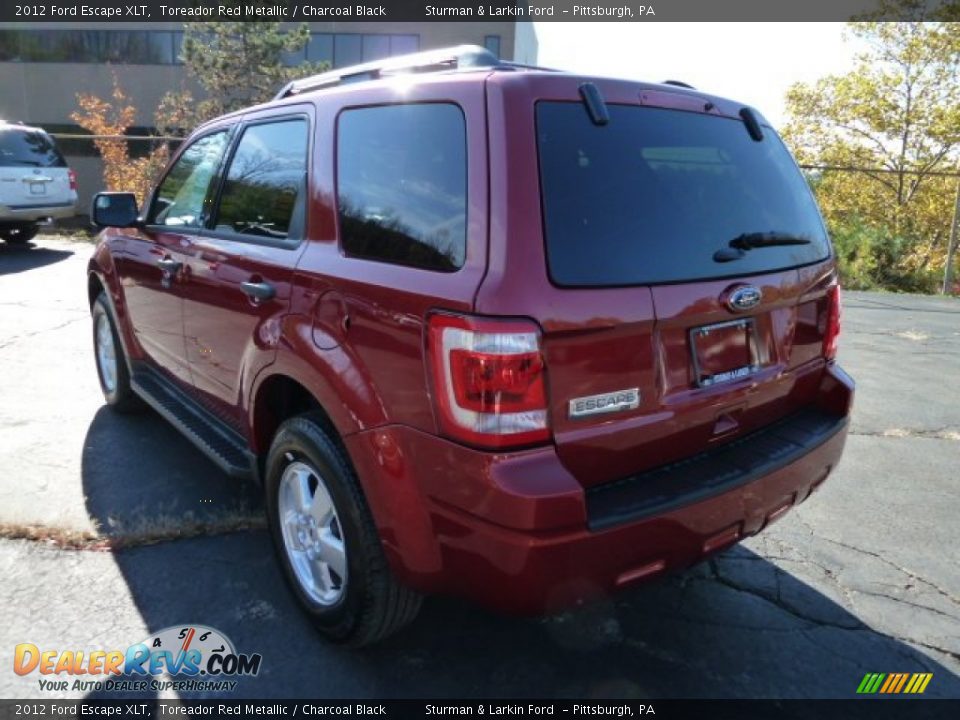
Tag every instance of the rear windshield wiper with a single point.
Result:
(748, 241)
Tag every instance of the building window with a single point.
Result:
(177, 48)
(164, 47)
(320, 48)
(375, 47)
(404, 44)
(492, 43)
(343, 49)
(134, 47)
(347, 50)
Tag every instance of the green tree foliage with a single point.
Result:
(897, 114)
(238, 64)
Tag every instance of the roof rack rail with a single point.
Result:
(679, 83)
(461, 56)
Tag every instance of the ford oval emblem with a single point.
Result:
(744, 297)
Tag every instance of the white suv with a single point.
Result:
(35, 183)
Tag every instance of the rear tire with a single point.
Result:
(326, 541)
(112, 367)
(19, 234)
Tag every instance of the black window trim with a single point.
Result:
(287, 243)
(336, 185)
(207, 199)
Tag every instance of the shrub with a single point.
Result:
(114, 117)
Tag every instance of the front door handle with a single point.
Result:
(258, 290)
(169, 265)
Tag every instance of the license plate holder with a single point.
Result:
(724, 352)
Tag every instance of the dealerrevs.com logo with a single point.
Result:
(191, 657)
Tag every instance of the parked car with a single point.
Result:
(519, 336)
(36, 186)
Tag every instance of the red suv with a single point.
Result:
(482, 329)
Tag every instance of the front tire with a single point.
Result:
(326, 540)
(19, 234)
(111, 363)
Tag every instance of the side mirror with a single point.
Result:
(115, 209)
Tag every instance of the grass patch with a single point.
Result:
(141, 532)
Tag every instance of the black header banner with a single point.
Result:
(145, 11)
(504, 708)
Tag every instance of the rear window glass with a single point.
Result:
(402, 184)
(651, 196)
(24, 148)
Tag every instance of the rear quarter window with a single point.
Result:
(651, 196)
(28, 148)
(402, 184)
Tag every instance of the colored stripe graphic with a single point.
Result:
(894, 683)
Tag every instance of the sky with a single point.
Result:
(753, 63)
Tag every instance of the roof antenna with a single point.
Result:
(753, 125)
(597, 108)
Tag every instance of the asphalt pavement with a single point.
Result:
(863, 577)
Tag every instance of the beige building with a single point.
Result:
(44, 65)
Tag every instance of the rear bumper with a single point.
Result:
(517, 533)
(34, 213)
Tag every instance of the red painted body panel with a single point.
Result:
(156, 313)
(508, 529)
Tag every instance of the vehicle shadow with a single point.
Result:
(737, 627)
(20, 258)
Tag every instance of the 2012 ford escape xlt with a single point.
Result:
(481, 329)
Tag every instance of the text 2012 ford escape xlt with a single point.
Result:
(481, 329)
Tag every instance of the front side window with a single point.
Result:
(184, 193)
(266, 176)
(402, 184)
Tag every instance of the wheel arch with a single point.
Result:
(279, 397)
(397, 508)
(95, 287)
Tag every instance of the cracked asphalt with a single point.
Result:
(863, 577)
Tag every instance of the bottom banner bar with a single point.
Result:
(874, 709)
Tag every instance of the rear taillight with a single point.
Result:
(488, 380)
(831, 333)
(72, 177)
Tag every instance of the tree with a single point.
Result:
(110, 119)
(238, 64)
(898, 116)
(235, 64)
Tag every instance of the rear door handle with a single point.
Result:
(169, 265)
(258, 290)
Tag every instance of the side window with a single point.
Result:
(402, 184)
(267, 175)
(182, 195)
